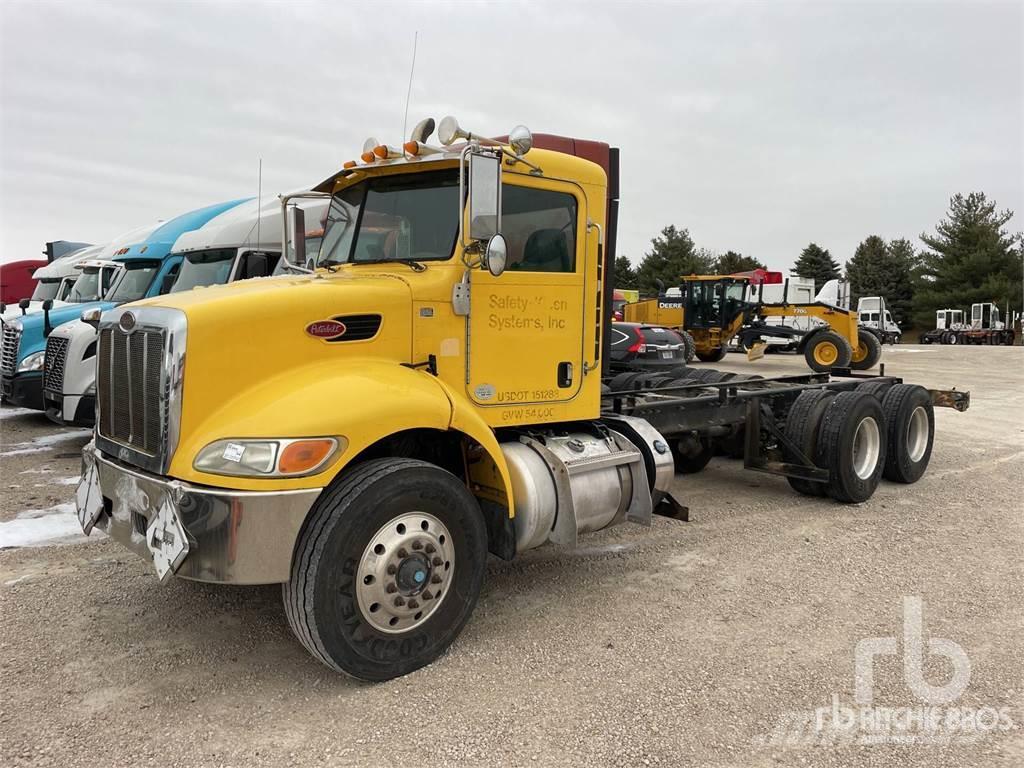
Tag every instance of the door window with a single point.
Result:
(539, 226)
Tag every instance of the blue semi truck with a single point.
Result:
(148, 269)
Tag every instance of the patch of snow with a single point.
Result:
(45, 442)
(62, 481)
(42, 528)
(39, 471)
(10, 413)
(12, 582)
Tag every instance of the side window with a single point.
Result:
(168, 279)
(254, 264)
(540, 228)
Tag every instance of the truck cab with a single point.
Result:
(145, 270)
(985, 316)
(53, 282)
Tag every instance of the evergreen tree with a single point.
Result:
(731, 262)
(672, 255)
(625, 275)
(816, 263)
(880, 269)
(971, 258)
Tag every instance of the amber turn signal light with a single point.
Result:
(302, 456)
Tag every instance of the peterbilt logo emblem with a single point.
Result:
(326, 329)
(127, 321)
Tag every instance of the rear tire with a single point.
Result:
(851, 445)
(401, 513)
(876, 388)
(868, 351)
(911, 432)
(826, 350)
(802, 423)
(712, 356)
(689, 346)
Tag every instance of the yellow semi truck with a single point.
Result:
(364, 434)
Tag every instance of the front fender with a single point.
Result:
(362, 400)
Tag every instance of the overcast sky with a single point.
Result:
(759, 127)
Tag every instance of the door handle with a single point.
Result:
(564, 375)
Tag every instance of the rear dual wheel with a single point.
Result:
(387, 568)
(868, 351)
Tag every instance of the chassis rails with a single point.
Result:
(747, 416)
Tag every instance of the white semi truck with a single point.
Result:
(241, 243)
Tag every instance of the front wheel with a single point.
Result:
(387, 568)
(826, 350)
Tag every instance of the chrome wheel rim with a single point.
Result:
(867, 442)
(405, 572)
(917, 434)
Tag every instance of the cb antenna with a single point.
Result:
(408, 93)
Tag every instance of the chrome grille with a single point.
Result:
(130, 391)
(9, 349)
(53, 368)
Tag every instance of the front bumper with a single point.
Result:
(24, 390)
(233, 537)
(70, 410)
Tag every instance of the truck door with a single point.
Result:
(526, 328)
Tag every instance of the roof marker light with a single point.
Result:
(349, 164)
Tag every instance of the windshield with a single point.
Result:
(46, 289)
(407, 217)
(134, 282)
(204, 268)
(87, 287)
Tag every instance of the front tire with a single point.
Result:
(826, 350)
(387, 569)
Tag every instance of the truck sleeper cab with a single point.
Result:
(146, 271)
(366, 433)
(53, 283)
(241, 243)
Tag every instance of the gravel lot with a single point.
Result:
(704, 643)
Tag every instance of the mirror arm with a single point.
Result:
(513, 158)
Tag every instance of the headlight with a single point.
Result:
(268, 458)
(33, 362)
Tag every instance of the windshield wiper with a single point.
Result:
(415, 266)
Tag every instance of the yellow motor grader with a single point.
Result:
(714, 309)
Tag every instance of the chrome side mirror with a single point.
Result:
(92, 317)
(484, 196)
(496, 255)
(521, 140)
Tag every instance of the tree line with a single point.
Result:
(971, 257)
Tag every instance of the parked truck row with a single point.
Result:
(427, 383)
(983, 327)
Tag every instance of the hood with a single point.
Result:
(251, 331)
(32, 326)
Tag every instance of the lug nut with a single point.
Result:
(427, 595)
(414, 604)
(402, 553)
(417, 545)
(429, 549)
(437, 561)
(392, 570)
(391, 588)
(435, 579)
(399, 601)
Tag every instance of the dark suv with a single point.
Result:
(636, 346)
